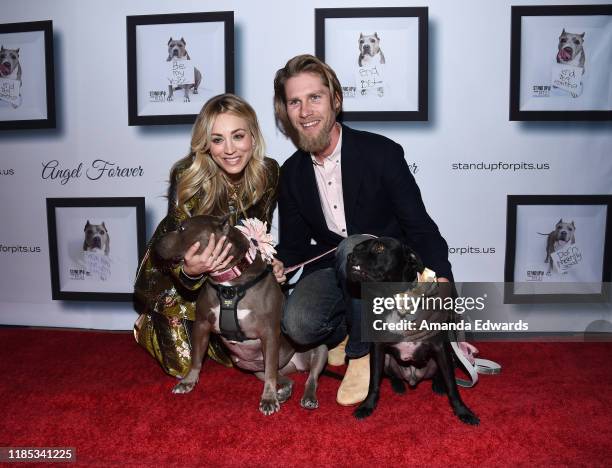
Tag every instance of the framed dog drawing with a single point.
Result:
(94, 247)
(558, 248)
(176, 63)
(27, 85)
(560, 62)
(385, 76)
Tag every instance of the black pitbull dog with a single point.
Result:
(252, 303)
(385, 260)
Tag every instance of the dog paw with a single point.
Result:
(284, 393)
(269, 406)
(363, 412)
(186, 99)
(183, 387)
(438, 387)
(309, 403)
(398, 385)
(169, 98)
(467, 417)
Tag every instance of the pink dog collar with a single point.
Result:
(235, 271)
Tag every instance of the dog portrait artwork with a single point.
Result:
(370, 52)
(571, 57)
(413, 356)
(571, 49)
(96, 239)
(182, 74)
(563, 234)
(10, 75)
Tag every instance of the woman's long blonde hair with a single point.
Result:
(202, 175)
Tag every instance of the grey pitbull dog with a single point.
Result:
(96, 238)
(177, 50)
(263, 350)
(369, 50)
(563, 234)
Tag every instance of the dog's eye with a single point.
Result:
(564, 40)
(181, 228)
(361, 41)
(372, 41)
(576, 41)
(102, 232)
(378, 248)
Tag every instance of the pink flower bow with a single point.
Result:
(256, 232)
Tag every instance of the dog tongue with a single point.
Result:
(5, 69)
(565, 54)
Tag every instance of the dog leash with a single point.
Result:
(464, 351)
(300, 265)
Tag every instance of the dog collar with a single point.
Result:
(235, 271)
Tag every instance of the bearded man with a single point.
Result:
(340, 185)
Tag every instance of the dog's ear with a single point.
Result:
(560, 221)
(86, 225)
(360, 35)
(183, 41)
(224, 222)
(104, 225)
(581, 37)
(1, 48)
(376, 35)
(170, 40)
(412, 264)
(563, 32)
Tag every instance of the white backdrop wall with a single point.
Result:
(469, 93)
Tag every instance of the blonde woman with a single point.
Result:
(224, 174)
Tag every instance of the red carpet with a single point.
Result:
(103, 395)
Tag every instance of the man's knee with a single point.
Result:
(299, 331)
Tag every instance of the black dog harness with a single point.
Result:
(229, 297)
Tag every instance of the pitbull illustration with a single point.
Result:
(369, 50)
(571, 49)
(10, 68)
(177, 51)
(96, 238)
(563, 234)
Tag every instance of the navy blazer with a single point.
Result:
(380, 195)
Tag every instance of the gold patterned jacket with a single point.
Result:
(165, 302)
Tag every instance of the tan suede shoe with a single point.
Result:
(336, 356)
(354, 386)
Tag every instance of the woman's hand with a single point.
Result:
(278, 268)
(213, 257)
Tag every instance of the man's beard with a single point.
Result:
(315, 143)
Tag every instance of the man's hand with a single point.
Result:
(213, 257)
(278, 268)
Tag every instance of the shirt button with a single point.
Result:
(335, 207)
(329, 183)
(344, 230)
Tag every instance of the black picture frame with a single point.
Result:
(581, 294)
(130, 233)
(420, 110)
(225, 83)
(46, 103)
(517, 88)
